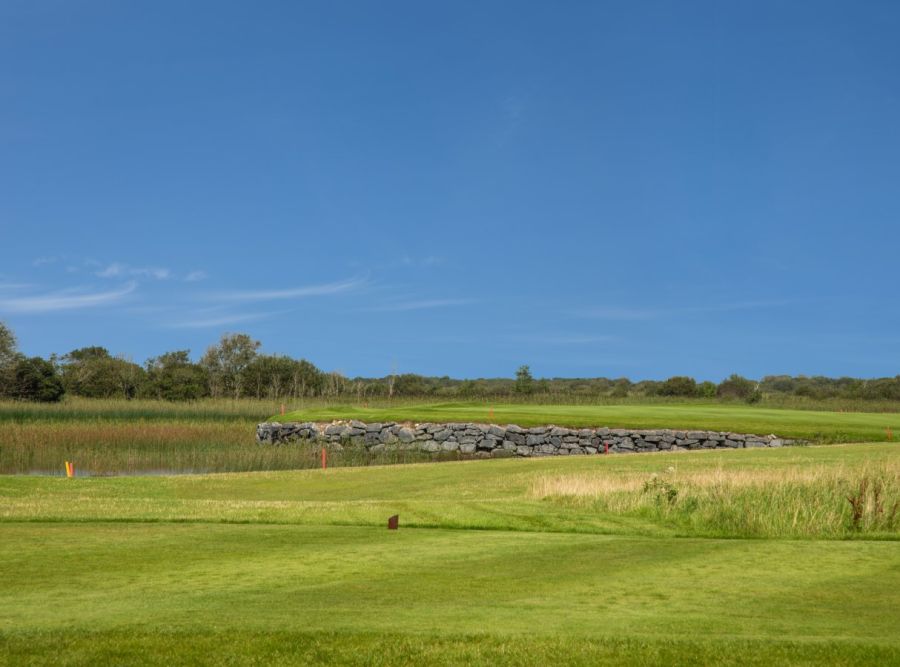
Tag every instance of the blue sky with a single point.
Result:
(634, 189)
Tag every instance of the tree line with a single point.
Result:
(235, 368)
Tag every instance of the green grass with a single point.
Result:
(297, 567)
(809, 425)
(122, 437)
(756, 559)
(158, 585)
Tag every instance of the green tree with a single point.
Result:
(707, 389)
(679, 385)
(9, 356)
(524, 381)
(94, 373)
(9, 352)
(736, 386)
(276, 376)
(174, 377)
(226, 361)
(36, 379)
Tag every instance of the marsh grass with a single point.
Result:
(115, 448)
(820, 502)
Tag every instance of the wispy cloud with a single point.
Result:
(615, 313)
(118, 270)
(423, 304)
(43, 261)
(426, 261)
(218, 321)
(11, 287)
(70, 299)
(324, 289)
(195, 276)
(564, 339)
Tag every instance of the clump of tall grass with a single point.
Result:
(824, 502)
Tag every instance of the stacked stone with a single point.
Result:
(491, 440)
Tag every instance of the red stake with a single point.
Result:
(606, 448)
(324, 459)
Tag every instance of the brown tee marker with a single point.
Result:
(394, 522)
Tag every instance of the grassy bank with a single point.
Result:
(816, 426)
(579, 560)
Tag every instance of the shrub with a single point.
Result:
(679, 385)
(35, 379)
(736, 387)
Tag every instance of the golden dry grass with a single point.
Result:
(796, 501)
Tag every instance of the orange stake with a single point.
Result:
(70, 469)
(282, 408)
(324, 459)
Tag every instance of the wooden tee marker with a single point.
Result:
(394, 522)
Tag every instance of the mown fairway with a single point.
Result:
(569, 561)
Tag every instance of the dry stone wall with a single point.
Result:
(491, 440)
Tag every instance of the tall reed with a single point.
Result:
(828, 502)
